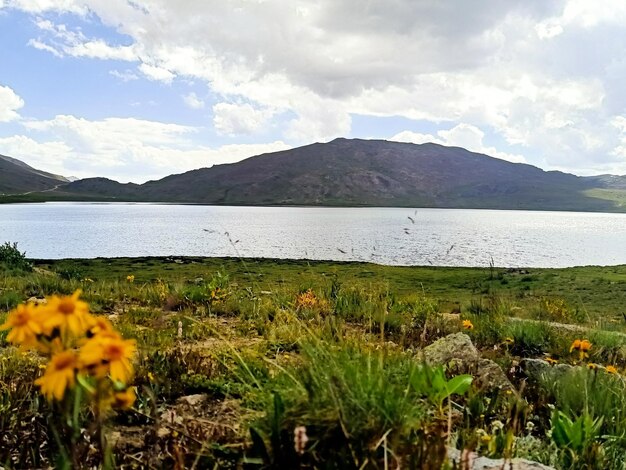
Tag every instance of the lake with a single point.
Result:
(439, 237)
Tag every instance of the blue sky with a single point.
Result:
(139, 90)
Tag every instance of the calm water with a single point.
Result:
(441, 237)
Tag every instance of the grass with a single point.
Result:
(273, 346)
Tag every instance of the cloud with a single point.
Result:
(10, 103)
(544, 76)
(121, 148)
(193, 101)
(157, 74)
(238, 119)
(124, 75)
(462, 135)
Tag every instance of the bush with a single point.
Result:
(13, 259)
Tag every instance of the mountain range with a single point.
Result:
(349, 172)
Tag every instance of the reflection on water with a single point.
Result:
(440, 237)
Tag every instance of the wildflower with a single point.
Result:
(509, 340)
(611, 369)
(88, 280)
(485, 438)
(108, 354)
(306, 299)
(25, 325)
(124, 399)
(150, 376)
(468, 325)
(67, 313)
(575, 345)
(592, 366)
(551, 361)
(59, 375)
(585, 345)
(300, 439)
(130, 278)
(99, 325)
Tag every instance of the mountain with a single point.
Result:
(16, 177)
(355, 172)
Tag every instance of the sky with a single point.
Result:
(137, 90)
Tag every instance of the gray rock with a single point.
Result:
(192, 400)
(536, 370)
(457, 346)
(483, 463)
(458, 353)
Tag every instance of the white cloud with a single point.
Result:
(236, 119)
(157, 74)
(193, 101)
(10, 103)
(462, 135)
(124, 75)
(121, 148)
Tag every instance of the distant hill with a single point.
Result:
(355, 172)
(16, 177)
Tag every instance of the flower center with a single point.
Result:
(64, 361)
(115, 352)
(67, 307)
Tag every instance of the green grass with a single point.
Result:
(344, 365)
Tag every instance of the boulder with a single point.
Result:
(457, 346)
(460, 356)
(471, 461)
(536, 369)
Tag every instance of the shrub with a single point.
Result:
(13, 259)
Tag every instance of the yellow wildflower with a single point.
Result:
(575, 345)
(67, 313)
(509, 340)
(306, 300)
(130, 278)
(611, 369)
(124, 399)
(59, 375)
(468, 325)
(585, 345)
(25, 325)
(592, 366)
(108, 353)
(99, 325)
(552, 361)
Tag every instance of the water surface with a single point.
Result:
(440, 237)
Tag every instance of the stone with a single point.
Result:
(455, 346)
(37, 301)
(462, 459)
(192, 400)
(460, 356)
(536, 369)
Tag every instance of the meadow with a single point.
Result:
(300, 364)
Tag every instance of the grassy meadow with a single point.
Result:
(301, 364)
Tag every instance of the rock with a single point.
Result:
(462, 459)
(455, 346)
(127, 438)
(489, 375)
(37, 301)
(460, 356)
(192, 400)
(536, 369)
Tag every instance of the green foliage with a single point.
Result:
(431, 383)
(12, 259)
(578, 440)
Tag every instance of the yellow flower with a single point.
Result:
(550, 360)
(585, 345)
(611, 369)
(124, 399)
(25, 325)
(468, 325)
(59, 375)
(67, 313)
(592, 366)
(150, 376)
(130, 278)
(108, 353)
(575, 345)
(509, 340)
(98, 325)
